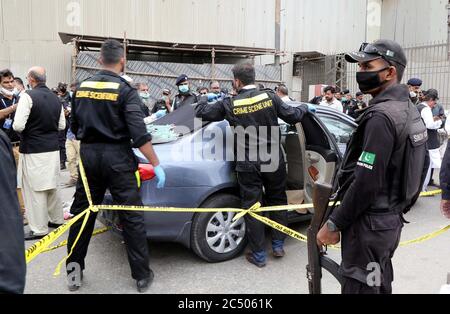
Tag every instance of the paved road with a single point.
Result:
(418, 268)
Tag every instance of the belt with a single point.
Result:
(102, 146)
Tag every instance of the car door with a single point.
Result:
(321, 156)
(340, 128)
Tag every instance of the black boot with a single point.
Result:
(143, 284)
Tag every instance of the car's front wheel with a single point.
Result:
(216, 237)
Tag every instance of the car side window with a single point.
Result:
(340, 130)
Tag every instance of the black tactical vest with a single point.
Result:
(406, 169)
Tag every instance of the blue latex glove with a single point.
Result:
(212, 97)
(311, 108)
(161, 175)
(160, 113)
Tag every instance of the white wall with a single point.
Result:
(414, 22)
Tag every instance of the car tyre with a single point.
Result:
(214, 237)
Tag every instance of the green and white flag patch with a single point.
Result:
(367, 160)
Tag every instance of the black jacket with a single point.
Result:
(184, 100)
(252, 108)
(41, 131)
(375, 156)
(106, 109)
(445, 174)
(12, 247)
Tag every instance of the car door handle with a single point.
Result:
(313, 160)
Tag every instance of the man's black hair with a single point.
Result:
(19, 80)
(111, 52)
(329, 88)
(5, 74)
(244, 72)
(62, 87)
(400, 70)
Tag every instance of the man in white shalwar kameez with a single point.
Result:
(39, 117)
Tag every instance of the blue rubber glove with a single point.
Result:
(161, 175)
(311, 108)
(212, 97)
(161, 113)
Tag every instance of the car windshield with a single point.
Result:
(175, 125)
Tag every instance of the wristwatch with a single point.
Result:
(331, 226)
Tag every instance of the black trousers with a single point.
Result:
(368, 247)
(112, 167)
(251, 186)
(62, 146)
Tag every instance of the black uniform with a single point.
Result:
(106, 116)
(12, 248)
(354, 109)
(255, 108)
(65, 102)
(445, 174)
(374, 178)
(181, 100)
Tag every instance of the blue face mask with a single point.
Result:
(183, 88)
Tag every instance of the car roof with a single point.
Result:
(323, 110)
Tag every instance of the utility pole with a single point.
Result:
(277, 31)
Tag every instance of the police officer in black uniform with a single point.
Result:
(185, 96)
(415, 93)
(12, 248)
(253, 110)
(106, 116)
(381, 174)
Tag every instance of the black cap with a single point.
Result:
(431, 94)
(346, 91)
(182, 78)
(359, 94)
(415, 82)
(385, 49)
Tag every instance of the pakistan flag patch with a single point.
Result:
(367, 160)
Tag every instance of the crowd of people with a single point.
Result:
(426, 101)
(107, 113)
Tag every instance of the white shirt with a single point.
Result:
(23, 112)
(335, 104)
(427, 117)
(249, 87)
(286, 99)
(447, 126)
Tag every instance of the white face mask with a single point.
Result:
(7, 92)
(412, 95)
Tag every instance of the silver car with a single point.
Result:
(313, 151)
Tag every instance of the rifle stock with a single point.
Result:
(321, 198)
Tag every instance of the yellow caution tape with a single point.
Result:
(38, 247)
(42, 245)
(431, 193)
(426, 237)
(64, 243)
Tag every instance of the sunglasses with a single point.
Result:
(372, 50)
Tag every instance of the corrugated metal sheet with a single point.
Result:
(51, 55)
(160, 75)
(229, 22)
(325, 26)
(413, 22)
